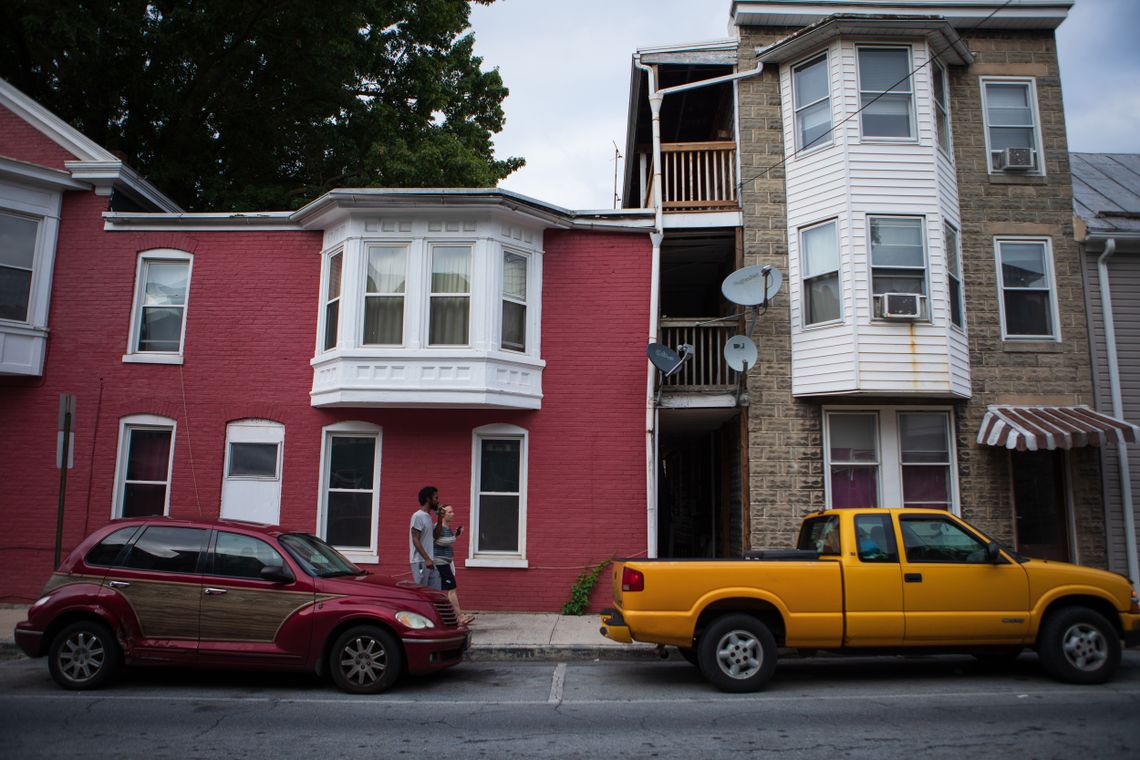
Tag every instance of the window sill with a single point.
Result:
(152, 358)
(510, 562)
(361, 557)
(1018, 179)
(1031, 346)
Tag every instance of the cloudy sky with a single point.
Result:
(567, 66)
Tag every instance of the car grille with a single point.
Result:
(446, 612)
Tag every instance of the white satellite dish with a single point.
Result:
(666, 359)
(752, 286)
(740, 352)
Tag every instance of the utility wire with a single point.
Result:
(933, 57)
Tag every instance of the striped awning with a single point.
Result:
(1037, 428)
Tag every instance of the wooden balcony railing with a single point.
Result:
(698, 176)
(707, 368)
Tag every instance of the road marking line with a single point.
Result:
(556, 684)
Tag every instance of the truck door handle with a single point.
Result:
(210, 591)
(912, 577)
(118, 584)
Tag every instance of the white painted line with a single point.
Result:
(556, 684)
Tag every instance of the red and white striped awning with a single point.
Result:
(1036, 428)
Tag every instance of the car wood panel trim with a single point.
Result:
(163, 609)
(252, 615)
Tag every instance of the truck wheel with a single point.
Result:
(365, 660)
(1077, 645)
(84, 655)
(737, 653)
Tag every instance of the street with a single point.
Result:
(892, 707)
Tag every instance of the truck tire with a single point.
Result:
(365, 659)
(1077, 645)
(84, 655)
(737, 653)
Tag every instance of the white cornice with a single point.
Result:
(963, 14)
(269, 221)
(24, 172)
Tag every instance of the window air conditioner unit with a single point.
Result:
(1014, 159)
(902, 305)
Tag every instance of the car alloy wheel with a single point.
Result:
(365, 660)
(1084, 647)
(737, 653)
(83, 655)
(1078, 645)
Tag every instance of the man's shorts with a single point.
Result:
(422, 575)
(446, 576)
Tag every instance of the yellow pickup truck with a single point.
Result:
(873, 581)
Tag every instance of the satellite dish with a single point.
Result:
(666, 359)
(752, 286)
(739, 352)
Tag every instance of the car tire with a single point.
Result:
(84, 655)
(1077, 645)
(365, 659)
(737, 653)
(689, 653)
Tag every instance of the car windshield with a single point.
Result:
(316, 557)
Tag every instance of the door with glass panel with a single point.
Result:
(251, 480)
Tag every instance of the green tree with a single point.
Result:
(265, 104)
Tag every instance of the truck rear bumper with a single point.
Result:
(614, 627)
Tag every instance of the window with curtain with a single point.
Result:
(941, 87)
(898, 256)
(350, 489)
(384, 290)
(811, 87)
(450, 296)
(1010, 109)
(953, 274)
(819, 256)
(1025, 277)
(853, 460)
(886, 93)
(144, 485)
(924, 443)
(332, 300)
(17, 256)
(499, 495)
(514, 302)
(161, 305)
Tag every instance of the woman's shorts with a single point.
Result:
(446, 576)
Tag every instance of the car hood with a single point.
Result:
(377, 587)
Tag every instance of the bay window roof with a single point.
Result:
(939, 33)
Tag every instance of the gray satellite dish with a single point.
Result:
(752, 286)
(740, 353)
(666, 359)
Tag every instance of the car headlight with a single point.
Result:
(41, 601)
(414, 620)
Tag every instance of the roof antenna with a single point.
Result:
(617, 158)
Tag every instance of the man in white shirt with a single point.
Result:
(422, 557)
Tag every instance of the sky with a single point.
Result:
(567, 66)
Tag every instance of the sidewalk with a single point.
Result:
(494, 636)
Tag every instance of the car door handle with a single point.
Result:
(912, 577)
(210, 591)
(118, 584)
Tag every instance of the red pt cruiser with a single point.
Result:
(157, 591)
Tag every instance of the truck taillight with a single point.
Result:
(632, 580)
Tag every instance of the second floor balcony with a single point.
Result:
(707, 371)
(697, 177)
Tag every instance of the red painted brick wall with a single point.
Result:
(23, 142)
(250, 334)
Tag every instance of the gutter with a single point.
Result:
(656, 97)
(1118, 411)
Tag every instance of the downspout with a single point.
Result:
(656, 97)
(1117, 410)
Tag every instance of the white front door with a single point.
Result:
(251, 479)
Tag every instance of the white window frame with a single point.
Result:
(871, 267)
(1050, 276)
(350, 429)
(947, 230)
(498, 558)
(325, 301)
(360, 325)
(799, 137)
(939, 73)
(140, 422)
(913, 118)
(134, 355)
(889, 450)
(524, 302)
(1031, 83)
(33, 270)
(429, 295)
(804, 277)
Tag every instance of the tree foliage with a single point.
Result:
(265, 104)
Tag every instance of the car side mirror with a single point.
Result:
(276, 574)
(993, 553)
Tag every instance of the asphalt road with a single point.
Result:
(928, 707)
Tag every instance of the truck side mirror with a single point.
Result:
(993, 553)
